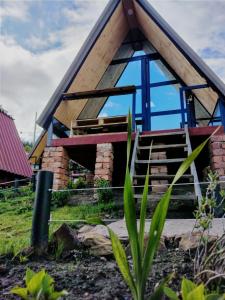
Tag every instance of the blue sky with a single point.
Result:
(40, 38)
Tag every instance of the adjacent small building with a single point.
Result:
(13, 159)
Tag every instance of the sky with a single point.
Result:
(40, 38)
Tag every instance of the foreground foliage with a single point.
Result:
(39, 286)
(192, 291)
(142, 257)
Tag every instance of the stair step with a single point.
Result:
(162, 134)
(160, 161)
(159, 147)
(155, 197)
(153, 176)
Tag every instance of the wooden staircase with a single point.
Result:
(168, 151)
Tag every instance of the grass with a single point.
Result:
(16, 219)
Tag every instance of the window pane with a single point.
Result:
(116, 106)
(166, 122)
(131, 75)
(138, 102)
(165, 98)
(158, 72)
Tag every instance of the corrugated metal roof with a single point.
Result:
(13, 158)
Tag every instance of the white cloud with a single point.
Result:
(28, 79)
(14, 9)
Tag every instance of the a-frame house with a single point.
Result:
(132, 33)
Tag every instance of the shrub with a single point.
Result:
(60, 198)
(105, 194)
(39, 286)
(79, 184)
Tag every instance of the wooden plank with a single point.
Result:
(124, 90)
(160, 161)
(175, 58)
(159, 147)
(162, 134)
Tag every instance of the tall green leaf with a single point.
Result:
(121, 259)
(130, 212)
(144, 201)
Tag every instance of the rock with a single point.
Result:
(84, 229)
(98, 244)
(190, 240)
(67, 237)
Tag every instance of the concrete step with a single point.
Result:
(163, 177)
(151, 135)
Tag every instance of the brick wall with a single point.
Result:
(56, 159)
(217, 152)
(159, 170)
(104, 161)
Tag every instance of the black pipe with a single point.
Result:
(41, 212)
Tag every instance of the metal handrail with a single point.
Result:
(197, 187)
(134, 155)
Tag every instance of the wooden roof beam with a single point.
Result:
(100, 93)
(135, 33)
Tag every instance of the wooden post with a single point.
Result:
(41, 212)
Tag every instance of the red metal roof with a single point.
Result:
(13, 158)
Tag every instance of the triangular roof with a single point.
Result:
(13, 158)
(102, 44)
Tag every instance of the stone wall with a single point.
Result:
(217, 153)
(104, 162)
(56, 159)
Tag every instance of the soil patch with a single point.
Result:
(87, 277)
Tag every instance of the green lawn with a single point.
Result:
(16, 218)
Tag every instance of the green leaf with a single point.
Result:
(144, 208)
(47, 285)
(197, 293)
(170, 293)
(156, 229)
(159, 291)
(143, 213)
(130, 212)
(57, 295)
(21, 292)
(186, 287)
(131, 224)
(121, 259)
(35, 284)
(29, 275)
